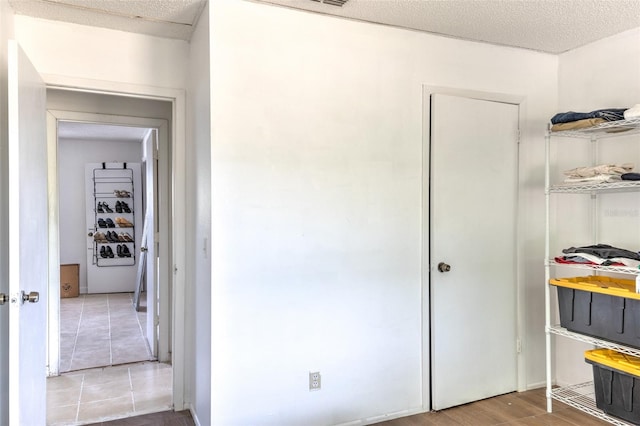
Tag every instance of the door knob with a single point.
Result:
(143, 249)
(443, 267)
(3, 298)
(32, 297)
(90, 234)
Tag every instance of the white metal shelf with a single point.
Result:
(561, 331)
(582, 397)
(605, 130)
(590, 188)
(600, 268)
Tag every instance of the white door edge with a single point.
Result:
(53, 327)
(516, 99)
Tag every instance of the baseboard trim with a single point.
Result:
(531, 386)
(194, 415)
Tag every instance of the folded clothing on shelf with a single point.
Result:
(601, 254)
(594, 179)
(588, 260)
(572, 120)
(598, 174)
(578, 124)
(602, 169)
(607, 114)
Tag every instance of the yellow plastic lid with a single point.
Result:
(623, 362)
(600, 284)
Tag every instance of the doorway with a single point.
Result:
(100, 172)
(156, 298)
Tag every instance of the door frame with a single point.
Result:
(54, 117)
(427, 91)
(176, 219)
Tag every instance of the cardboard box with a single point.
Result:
(69, 280)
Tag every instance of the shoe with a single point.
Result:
(118, 207)
(125, 207)
(123, 223)
(102, 223)
(106, 208)
(125, 237)
(122, 193)
(119, 250)
(125, 251)
(121, 238)
(110, 223)
(103, 252)
(99, 237)
(99, 209)
(108, 251)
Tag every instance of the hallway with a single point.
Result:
(98, 330)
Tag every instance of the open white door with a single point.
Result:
(474, 158)
(157, 245)
(27, 243)
(150, 158)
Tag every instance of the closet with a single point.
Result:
(582, 395)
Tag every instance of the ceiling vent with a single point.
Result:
(339, 3)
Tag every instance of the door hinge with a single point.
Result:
(518, 345)
(156, 320)
(518, 137)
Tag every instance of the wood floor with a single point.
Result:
(516, 409)
(165, 418)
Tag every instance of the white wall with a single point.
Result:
(603, 74)
(6, 32)
(72, 157)
(316, 220)
(198, 254)
(79, 51)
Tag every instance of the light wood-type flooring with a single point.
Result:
(516, 409)
(513, 409)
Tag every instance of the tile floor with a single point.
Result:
(105, 363)
(103, 394)
(98, 330)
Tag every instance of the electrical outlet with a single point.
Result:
(315, 381)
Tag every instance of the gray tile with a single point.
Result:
(106, 409)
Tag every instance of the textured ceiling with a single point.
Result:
(553, 26)
(69, 130)
(163, 18)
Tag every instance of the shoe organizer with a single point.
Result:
(113, 206)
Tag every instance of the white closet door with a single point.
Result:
(474, 158)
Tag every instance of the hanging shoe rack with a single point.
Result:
(113, 201)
